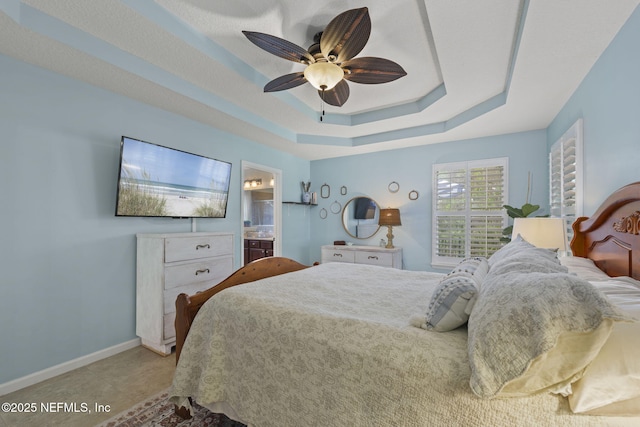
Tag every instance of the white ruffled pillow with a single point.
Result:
(611, 383)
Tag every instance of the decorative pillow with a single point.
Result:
(454, 297)
(530, 332)
(475, 267)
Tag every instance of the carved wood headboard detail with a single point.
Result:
(611, 236)
(628, 224)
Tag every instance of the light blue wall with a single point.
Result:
(371, 174)
(67, 264)
(609, 102)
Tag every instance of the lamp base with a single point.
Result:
(389, 237)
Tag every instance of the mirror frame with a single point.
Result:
(344, 220)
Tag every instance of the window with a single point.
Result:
(565, 176)
(468, 215)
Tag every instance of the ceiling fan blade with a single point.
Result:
(336, 96)
(371, 70)
(346, 35)
(279, 47)
(285, 82)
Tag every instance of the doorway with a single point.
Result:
(261, 206)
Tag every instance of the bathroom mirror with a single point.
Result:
(360, 217)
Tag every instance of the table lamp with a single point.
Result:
(550, 233)
(389, 217)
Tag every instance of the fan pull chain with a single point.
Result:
(322, 104)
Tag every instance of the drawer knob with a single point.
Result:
(340, 255)
(372, 257)
(203, 247)
(206, 270)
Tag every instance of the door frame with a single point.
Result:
(277, 206)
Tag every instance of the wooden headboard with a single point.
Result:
(611, 237)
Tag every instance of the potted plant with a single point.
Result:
(523, 212)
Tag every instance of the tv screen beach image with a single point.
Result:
(159, 181)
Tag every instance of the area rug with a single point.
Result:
(157, 411)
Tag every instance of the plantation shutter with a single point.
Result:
(468, 214)
(565, 176)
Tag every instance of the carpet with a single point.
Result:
(157, 411)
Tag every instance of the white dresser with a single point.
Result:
(171, 264)
(374, 255)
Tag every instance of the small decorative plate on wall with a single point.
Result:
(393, 187)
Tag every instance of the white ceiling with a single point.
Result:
(474, 67)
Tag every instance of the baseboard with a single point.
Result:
(45, 374)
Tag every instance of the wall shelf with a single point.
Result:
(299, 203)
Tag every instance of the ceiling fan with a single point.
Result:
(330, 59)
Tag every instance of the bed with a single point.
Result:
(522, 338)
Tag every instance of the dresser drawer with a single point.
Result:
(171, 295)
(374, 258)
(266, 244)
(262, 244)
(211, 270)
(337, 255)
(372, 255)
(188, 248)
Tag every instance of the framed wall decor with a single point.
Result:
(325, 191)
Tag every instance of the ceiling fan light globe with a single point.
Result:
(323, 75)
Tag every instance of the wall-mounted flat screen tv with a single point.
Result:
(157, 181)
(365, 208)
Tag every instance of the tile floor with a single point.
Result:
(119, 381)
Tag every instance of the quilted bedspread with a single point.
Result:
(332, 345)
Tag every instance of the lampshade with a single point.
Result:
(548, 233)
(389, 217)
(323, 75)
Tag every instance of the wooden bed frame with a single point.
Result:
(610, 238)
(187, 306)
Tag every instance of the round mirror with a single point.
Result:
(360, 217)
